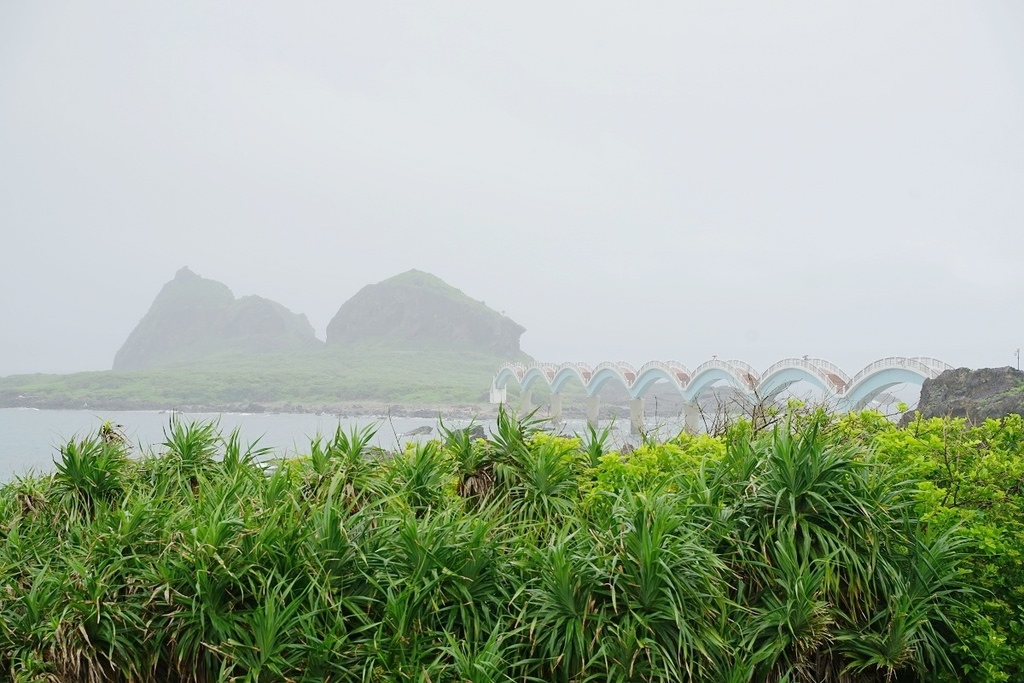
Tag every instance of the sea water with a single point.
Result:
(31, 439)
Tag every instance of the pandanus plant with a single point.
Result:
(344, 463)
(90, 471)
(473, 462)
(781, 556)
(831, 563)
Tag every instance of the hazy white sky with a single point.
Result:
(752, 180)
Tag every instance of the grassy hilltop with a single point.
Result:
(412, 339)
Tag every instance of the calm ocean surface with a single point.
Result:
(30, 439)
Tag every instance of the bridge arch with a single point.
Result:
(871, 385)
(888, 372)
(736, 373)
(783, 378)
(676, 374)
(822, 374)
(623, 373)
(568, 372)
(541, 373)
(852, 394)
(507, 373)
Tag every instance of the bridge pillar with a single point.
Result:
(636, 416)
(499, 395)
(556, 407)
(692, 419)
(525, 402)
(593, 407)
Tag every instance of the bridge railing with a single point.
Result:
(580, 370)
(584, 370)
(549, 369)
(831, 368)
(621, 368)
(935, 363)
(742, 371)
(784, 363)
(746, 371)
(824, 369)
(516, 368)
(672, 368)
(880, 364)
(929, 370)
(744, 367)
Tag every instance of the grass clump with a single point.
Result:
(792, 555)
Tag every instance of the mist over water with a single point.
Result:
(31, 439)
(661, 182)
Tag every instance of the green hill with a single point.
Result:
(419, 310)
(410, 340)
(194, 318)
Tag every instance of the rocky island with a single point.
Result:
(410, 344)
(193, 317)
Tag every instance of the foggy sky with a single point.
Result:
(751, 180)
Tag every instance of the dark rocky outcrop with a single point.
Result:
(417, 309)
(974, 394)
(193, 318)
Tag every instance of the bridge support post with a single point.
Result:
(593, 408)
(556, 408)
(636, 416)
(499, 395)
(525, 402)
(692, 421)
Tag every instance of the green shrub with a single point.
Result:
(821, 550)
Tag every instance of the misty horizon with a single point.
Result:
(636, 184)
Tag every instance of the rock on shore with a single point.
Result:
(975, 394)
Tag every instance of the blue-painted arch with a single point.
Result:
(504, 376)
(703, 379)
(774, 384)
(651, 376)
(533, 375)
(602, 377)
(563, 376)
(852, 393)
(866, 389)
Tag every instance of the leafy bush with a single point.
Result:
(808, 552)
(973, 476)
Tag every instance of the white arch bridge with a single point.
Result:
(845, 391)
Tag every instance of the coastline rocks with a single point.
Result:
(974, 394)
(419, 431)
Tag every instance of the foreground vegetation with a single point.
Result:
(821, 549)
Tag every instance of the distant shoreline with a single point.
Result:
(343, 409)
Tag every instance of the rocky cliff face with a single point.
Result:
(974, 394)
(420, 310)
(193, 317)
